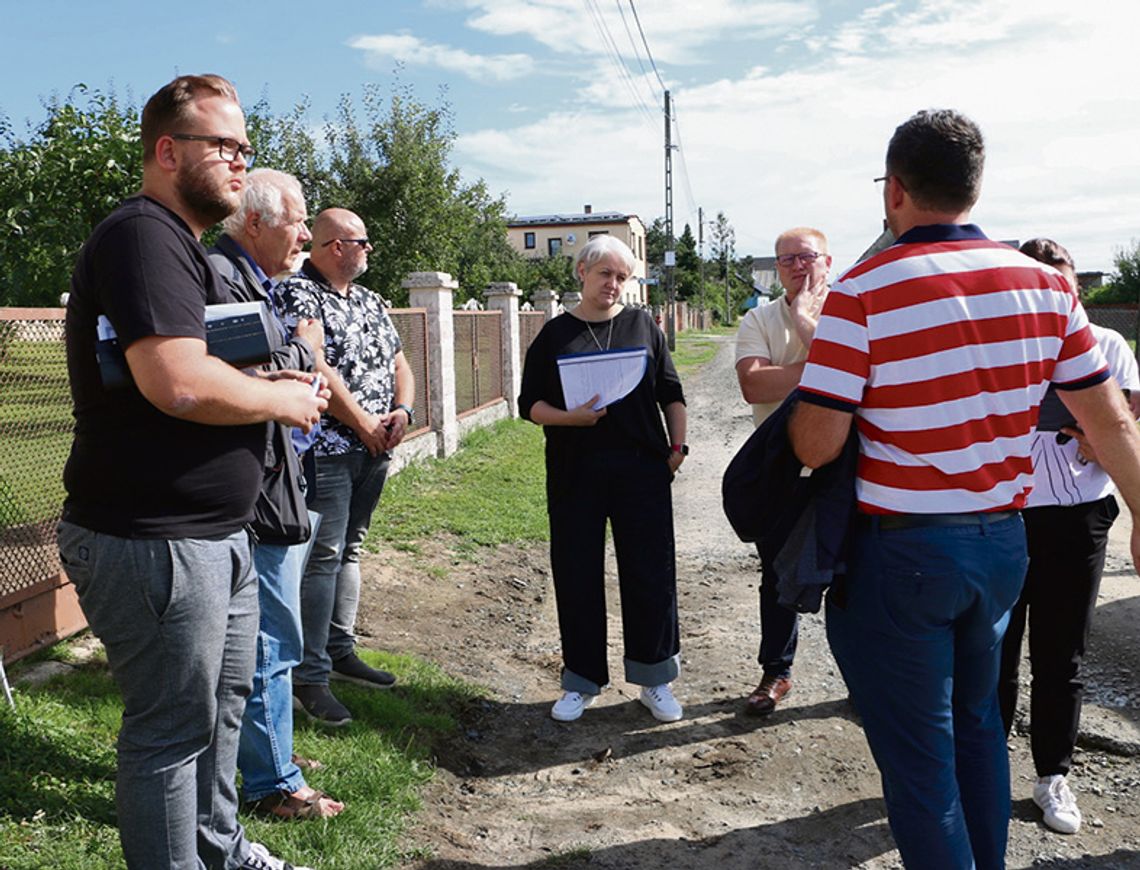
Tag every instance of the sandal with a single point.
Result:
(306, 763)
(283, 805)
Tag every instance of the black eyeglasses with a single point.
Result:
(364, 243)
(807, 258)
(228, 149)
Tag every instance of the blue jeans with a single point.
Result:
(918, 640)
(348, 489)
(266, 748)
(178, 619)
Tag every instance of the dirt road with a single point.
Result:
(718, 789)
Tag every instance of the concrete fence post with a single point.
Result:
(571, 298)
(503, 296)
(545, 300)
(434, 292)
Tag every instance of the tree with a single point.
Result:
(391, 166)
(688, 271)
(57, 184)
(722, 239)
(1125, 285)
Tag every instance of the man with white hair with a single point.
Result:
(369, 413)
(264, 238)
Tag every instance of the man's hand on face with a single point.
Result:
(806, 306)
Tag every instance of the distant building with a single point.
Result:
(549, 235)
(764, 275)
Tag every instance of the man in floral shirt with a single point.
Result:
(369, 413)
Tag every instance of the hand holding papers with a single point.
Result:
(608, 375)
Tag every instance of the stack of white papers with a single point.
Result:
(608, 374)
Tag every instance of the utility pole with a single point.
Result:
(701, 256)
(670, 254)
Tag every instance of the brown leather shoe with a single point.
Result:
(767, 695)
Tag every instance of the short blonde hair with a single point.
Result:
(810, 232)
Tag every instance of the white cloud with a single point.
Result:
(678, 31)
(414, 51)
(1049, 83)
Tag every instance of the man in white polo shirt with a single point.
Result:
(771, 346)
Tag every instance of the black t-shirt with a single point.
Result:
(134, 471)
(632, 422)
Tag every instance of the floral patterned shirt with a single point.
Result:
(360, 343)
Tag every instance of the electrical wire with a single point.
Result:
(648, 53)
(615, 57)
(637, 53)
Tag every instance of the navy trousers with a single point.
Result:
(919, 642)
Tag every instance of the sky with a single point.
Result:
(783, 108)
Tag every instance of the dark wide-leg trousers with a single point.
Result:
(631, 489)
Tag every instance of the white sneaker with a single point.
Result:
(661, 703)
(1052, 794)
(570, 706)
(260, 859)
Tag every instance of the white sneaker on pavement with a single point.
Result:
(260, 859)
(1052, 794)
(570, 706)
(661, 703)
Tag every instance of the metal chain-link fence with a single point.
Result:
(1120, 318)
(35, 431)
(530, 325)
(411, 323)
(478, 359)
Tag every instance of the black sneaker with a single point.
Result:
(352, 669)
(318, 703)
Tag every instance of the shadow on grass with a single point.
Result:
(57, 750)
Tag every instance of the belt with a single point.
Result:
(911, 521)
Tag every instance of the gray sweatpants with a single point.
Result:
(178, 619)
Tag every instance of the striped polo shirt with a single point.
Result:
(943, 346)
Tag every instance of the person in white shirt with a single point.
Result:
(1067, 519)
(771, 346)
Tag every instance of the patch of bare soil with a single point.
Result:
(718, 789)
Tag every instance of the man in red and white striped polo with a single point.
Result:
(939, 349)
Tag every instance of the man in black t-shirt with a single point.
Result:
(161, 481)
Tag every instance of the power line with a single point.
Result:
(614, 55)
(684, 165)
(648, 53)
(636, 53)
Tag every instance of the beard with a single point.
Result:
(211, 202)
(358, 270)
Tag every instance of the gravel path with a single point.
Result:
(718, 789)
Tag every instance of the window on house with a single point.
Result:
(554, 246)
(528, 240)
(599, 233)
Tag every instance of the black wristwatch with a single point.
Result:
(407, 409)
(683, 449)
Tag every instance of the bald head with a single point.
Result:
(340, 246)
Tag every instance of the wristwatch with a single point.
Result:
(407, 409)
(683, 449)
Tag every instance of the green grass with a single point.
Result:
(57, 802)
(695, 349)
(491, 492)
